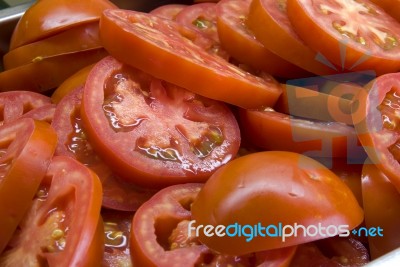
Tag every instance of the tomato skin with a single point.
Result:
(270, 188)
(47, 17)
(21, 172)
(118, 34)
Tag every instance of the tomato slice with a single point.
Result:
(168, 11)
(46, 17)
(272, 130)
(159, 43)
(154, 133)
(159, 236)
(377, 124)
(368, 35)
(273, 188)
(270, 24)
(63, 227)
(48, 73)
(77, 39)
(392, 7)
(44, 113)
(21, 172)
(72, 141)
(382, 209)
(239, 42)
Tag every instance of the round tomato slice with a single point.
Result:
(239, 42)
(72, 141)
(377, 124)
(160, 236)
(48, 73)
(272, 130)
(273, 189)
(368, 35)
(63, 226)
(46, 17)
(160, 42)
(77, 39)
(270, 24)
(154, 133)
(168, 11)
(381, 203)
(27, 147)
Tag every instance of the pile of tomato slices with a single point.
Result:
(132, 138)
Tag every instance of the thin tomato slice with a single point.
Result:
(72, 142)
(368, 35)
(77, 39)
(21, 172)
(168, 11)
(48, 17)
(239, 42)
(160, 43)
(270, 24)
(63, 227)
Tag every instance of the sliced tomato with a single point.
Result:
(117, 227)
(44, 113)
(46, 17)
(27, 147)
(377, 124)
(272, 130)
(381, 203)
(270, 24)
(239, 42)
(48, 73)
(368, 35)
(392, 7)
(160, 42)
(80, 38)
(168, 11)
(63, 226)
(72, 142)
(154, 133)
(160, 236)
(273, 188)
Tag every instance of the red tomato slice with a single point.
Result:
(382, 209)
(72, 142)
(48, 73)
(48, 17)
(392, 7)
(159, 236)
(272, 130)
(273, 188)
(151, 132)
(368, 35)
(168, 11)
(44, 113)
(159, 43)
(377, 124)
(27, 147)
(80, 38)
(63, 227)
(270, 24)
(239, 42)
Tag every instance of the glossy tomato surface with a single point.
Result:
(273, 188)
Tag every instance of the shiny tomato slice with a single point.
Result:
(160, 43)
(377, 124)
(159, 236)
(168, 11)
(48, 73)
(368, 35)
(270, 24)
(273, 188)
(154, 133)
(272, 130)
(47, 17)
(63, 226)
(72, 142)
(27, 147)
(240, 42)
(80, 38)
(382, 209)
